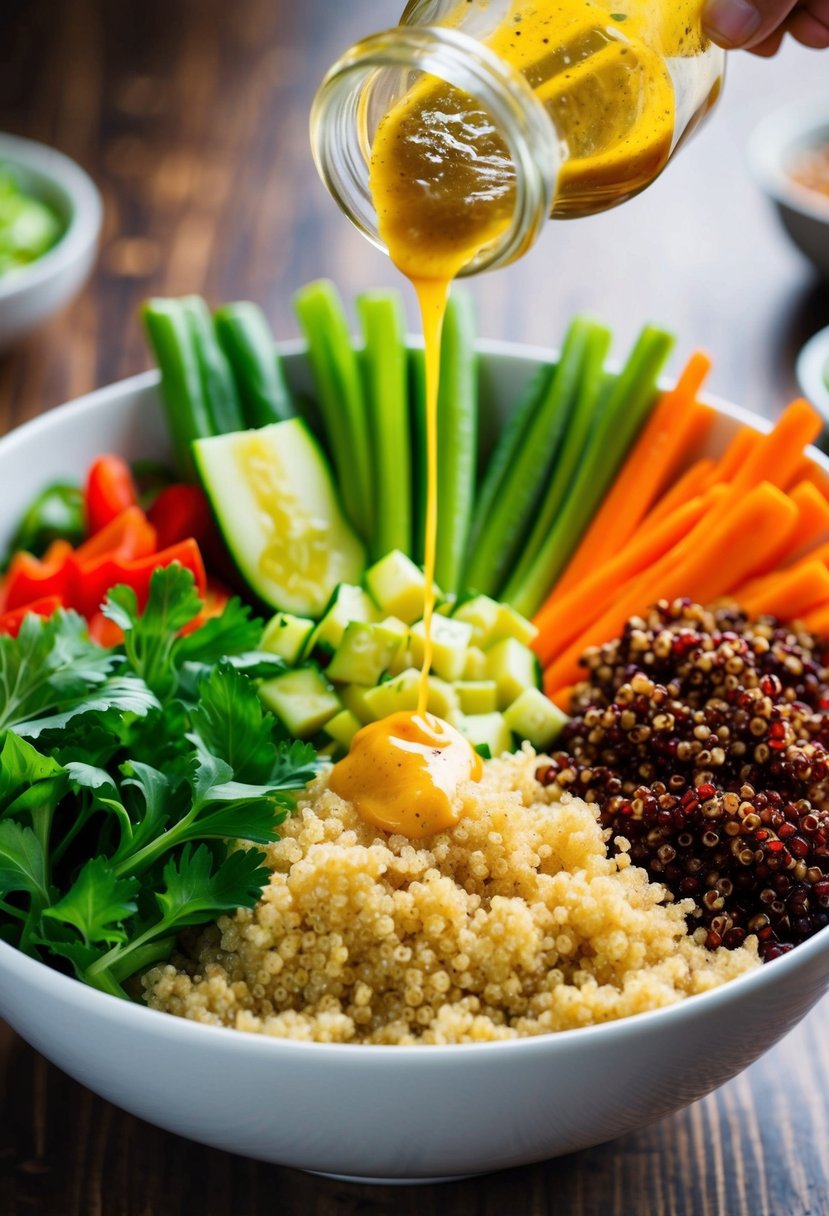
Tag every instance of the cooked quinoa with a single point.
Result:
(516, 922)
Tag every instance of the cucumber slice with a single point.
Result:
(401, 693)
(287, 636)
(511, 624)
(534, 717)
(475, 667)
(303, 700)
(398, 586)
(486, 730)
(273, 496)
(343, 727)
(477, 696)
(481, 613)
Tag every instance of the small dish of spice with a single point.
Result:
(789, 158)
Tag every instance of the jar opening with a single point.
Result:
(367, 82)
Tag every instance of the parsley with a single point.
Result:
(132, 780)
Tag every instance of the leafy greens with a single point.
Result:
(132, 778)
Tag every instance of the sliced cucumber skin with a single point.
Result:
(303, 473)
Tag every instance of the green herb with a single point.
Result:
(28, 227)
(130, 780)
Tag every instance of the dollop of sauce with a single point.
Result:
(403, 772)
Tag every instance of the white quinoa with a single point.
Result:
(515, 922)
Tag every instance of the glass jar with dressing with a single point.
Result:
(452, 138)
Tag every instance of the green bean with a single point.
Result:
(219, 388)
(182, 393)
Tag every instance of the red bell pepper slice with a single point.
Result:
(180, 511)
(110, 489)
(95, 580)
(31, 578)
(129, 535)
(104, 631)
(215, 600)
(11, 621)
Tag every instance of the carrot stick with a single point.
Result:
(564, 616)
(675, 427)
(693, 482)
(779, 454)
(724, 550)
(813, 516)
(809, 471)
(787, 593)
(737, 452)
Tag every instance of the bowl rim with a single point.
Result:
(133, 1015)
(85, 217)
(812, 367)
(774, 138)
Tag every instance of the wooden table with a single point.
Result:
(192, 117)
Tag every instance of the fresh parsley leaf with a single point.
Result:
(26, 777)
(122, 694)
(51, 662)
(232, 723)
(194, 891)
(97, 904)
(234, 633)
(150, 636)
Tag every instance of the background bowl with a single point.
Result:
(813, 372)
(803, 212)
(29, 295)
(365, 1112)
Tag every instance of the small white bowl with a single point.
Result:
(772, 147)
(813, 371)
(370, 1113)
(29, 295)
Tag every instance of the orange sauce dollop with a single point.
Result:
(402, 773)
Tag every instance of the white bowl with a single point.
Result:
(377, 1113)
(813, 371)
(29, 295)
(803, 212)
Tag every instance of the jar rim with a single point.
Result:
(340, 139)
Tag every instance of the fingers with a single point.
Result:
(809, 24)
(769, 46)
(745, 23)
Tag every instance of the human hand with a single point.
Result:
(759, 26)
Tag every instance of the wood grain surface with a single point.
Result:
(192, 117)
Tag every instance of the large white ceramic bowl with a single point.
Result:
(774, 144)
(31, 294)
(377, 1113)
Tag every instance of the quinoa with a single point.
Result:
(514, 922)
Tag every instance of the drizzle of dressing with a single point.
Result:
(402, 773)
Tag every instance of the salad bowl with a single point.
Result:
(377, 1113)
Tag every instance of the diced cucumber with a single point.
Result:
(513, 667)
(343, 727)
(364, 653)
(348, 603)
(477, 696)
(353, 697)
(272, 493)
(486, 730)
(303, 700)
(450, 641)
(401, 693)
(286, 635)
(511, 624)
(398, 586)
(475, 667)
(481, 613)
(534, 717)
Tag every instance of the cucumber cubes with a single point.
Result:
(360, 662)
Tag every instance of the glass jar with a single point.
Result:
(578, 105)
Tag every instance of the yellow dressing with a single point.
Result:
(443, 184)
(402, 773)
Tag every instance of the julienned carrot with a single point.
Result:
(563, 617)
(809, 471)
(675, 428)
(693, 482)
(737, 453)
(812, 519)
(787, 594)
(779, 454)
(724, 550)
